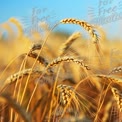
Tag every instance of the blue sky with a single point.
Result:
(63, 8)
(56, 10)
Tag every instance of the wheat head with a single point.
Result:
(83, 24)
(68, 43)
(68, 59)
(118, 97)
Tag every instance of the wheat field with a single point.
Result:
(59, 77)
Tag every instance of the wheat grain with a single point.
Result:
(40, 59)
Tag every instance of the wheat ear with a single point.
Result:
(40, 59)
(21, 74)
(114, 113)
(68, 43)
(36, 47)
(83, 24)
(116, 70)
(67, 96)
(68, 59)
(110, 78)
(118, 97)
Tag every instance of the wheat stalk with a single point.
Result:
(16, 106)
(27, 81)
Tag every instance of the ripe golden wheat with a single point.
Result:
(43, 90)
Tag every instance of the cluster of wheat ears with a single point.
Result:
(63, 85)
